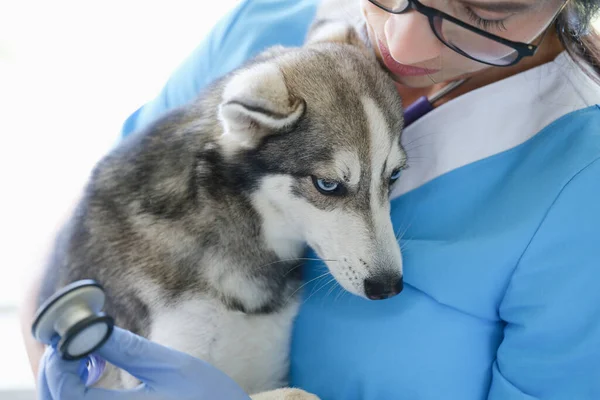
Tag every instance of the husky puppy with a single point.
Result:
(196, 225)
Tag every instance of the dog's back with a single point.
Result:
(190, 224)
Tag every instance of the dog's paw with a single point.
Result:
(285, 394)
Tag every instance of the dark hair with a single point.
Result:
(578, 36)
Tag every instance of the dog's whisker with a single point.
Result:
(301, 264)
(295, 259)
(405, 249)
(405, 145)
(410, 149)
(341, 293)
(315, 288)
(293, 268)
(312, 294)
(405, 243)
(401, 232)
(400, 235)
(333, 286)
(332, 283)
(329, 282)
(412, 159)
(326, 284)
(306, 283)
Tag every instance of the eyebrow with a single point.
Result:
(499, 6)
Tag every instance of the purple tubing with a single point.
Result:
(416, 110)
(91, 371)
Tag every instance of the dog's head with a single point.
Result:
(320, 127)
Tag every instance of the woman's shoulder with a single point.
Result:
(574, 136)
(251, 27)
(572, 98)
(258, 24)
(550, 112)
(569, 148)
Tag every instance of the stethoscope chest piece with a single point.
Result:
(74, 314)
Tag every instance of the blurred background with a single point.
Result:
(70, 73)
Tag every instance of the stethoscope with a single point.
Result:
(72, 321)
(423, 105)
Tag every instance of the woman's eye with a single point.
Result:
(395, 175)
(486, 24)
(327, 187)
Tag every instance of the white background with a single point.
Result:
(70, 73)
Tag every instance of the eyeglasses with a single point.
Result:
(465, 39)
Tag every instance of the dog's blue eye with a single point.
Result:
(395, 175)
(326, 186)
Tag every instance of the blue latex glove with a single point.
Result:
(165, 374)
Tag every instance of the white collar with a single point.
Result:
(493, 119)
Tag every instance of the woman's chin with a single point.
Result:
(416, 82)
(412, 81)
(420, 82)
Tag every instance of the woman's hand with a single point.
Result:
(164, 374)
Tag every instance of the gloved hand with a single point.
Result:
(165, 374)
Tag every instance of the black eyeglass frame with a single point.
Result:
(522, 49)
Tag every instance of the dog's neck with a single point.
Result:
(279, 235)
(259, 248)
(270, 285)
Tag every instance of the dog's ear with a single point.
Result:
(257, 103)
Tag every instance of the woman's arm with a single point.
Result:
(30, 300)
(551, 345)
(35, 350)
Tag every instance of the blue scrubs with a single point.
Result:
(501, 243)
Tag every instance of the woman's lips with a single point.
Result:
(400, 69)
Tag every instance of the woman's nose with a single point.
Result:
(410, 39)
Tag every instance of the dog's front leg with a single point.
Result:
(285, 394)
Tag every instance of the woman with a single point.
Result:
(498, 210)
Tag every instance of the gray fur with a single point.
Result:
(170, 195)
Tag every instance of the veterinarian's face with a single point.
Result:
(410, 46)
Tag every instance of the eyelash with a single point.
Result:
(485, 24)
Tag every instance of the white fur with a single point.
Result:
(262, 85)
(342, 240)
(280, 233)
(252, 349)
(233, 282)
(231, 112)
(383, 150)
(262, 82)
(347, 165)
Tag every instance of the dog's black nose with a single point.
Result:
(379, 288)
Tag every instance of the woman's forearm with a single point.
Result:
(28, 306)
